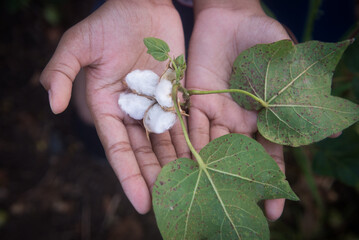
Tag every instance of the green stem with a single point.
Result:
(185, 133)
(198, 92)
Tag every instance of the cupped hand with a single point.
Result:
(219, 36)
(108, 45)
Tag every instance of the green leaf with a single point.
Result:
(180, 62)
(157, 48)
(295, 82)
(181, 66)
(219, 201)
(356, 87)
(351, 57)
(339, 158)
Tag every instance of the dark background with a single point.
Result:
(55, 182)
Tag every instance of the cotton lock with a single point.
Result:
(142, 81)
(134, 105)
(157, 120)
(163, 93)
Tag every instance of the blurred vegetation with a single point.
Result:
(51, 9)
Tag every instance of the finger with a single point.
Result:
(273, 207)
(58, 75)
(179, 142)
(146, 158)
(335, 135)
(114, 138)
(163, 147)
(198, 126)
(218, 130)
(237, 120)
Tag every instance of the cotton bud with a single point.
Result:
(157, 120)
(163, 93)
(134, 105)
(142, 81)
(170, 75)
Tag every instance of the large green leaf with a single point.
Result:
(219, 200)
(295, 82)
(350, 66)
(356, 87)
(339, 158)
(351, 57)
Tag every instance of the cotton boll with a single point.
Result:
(169, 74)
(157, 120)
(163, 93)
(134, 105)
(142, 81)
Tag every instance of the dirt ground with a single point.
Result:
(53, 186)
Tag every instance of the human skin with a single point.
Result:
(108, 45)
(223, 29)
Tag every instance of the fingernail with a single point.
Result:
(50, 101)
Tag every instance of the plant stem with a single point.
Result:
(185, 133)
(198, 92)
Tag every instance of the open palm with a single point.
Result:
(108, 45)
(219, 36)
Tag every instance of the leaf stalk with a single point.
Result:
(199, 159)
(199, 92)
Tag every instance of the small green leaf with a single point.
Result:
(295, 82)
(157, 48)
(219, 201)
(181, 66)
(180, 62)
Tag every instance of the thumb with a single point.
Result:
(59, 74)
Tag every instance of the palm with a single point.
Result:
(218, 38)
(109, 44)
(120, 56)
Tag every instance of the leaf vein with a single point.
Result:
(248, 179)
(286, 123)
(267, 71)
(311, 106)
(297, 77)
(221, 202)
(191, 203)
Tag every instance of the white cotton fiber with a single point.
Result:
(142, 81)
(134, 105)
(157, 120)
(163, 93)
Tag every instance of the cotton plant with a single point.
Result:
(216, 196)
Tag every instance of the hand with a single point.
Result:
(108, 45)
(220, 34)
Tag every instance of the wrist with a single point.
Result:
(252, 6)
